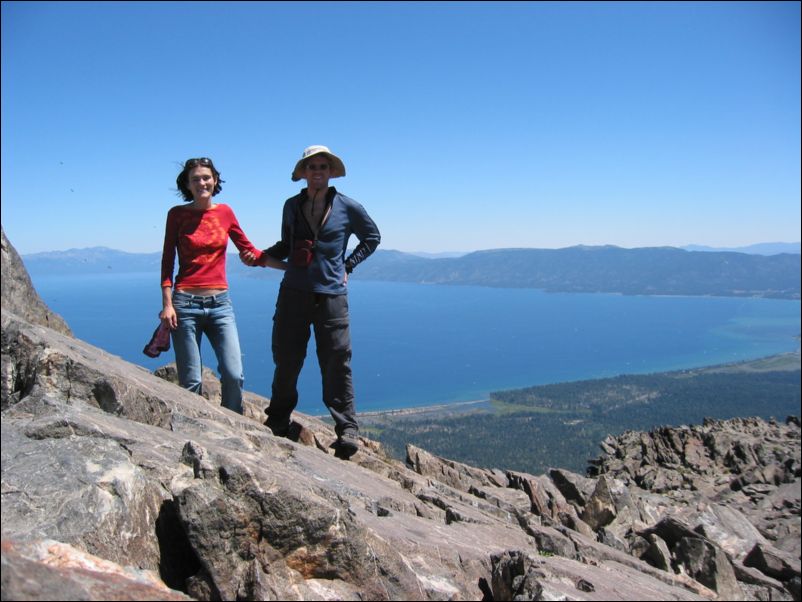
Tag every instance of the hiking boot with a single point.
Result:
(347, 444)
(279, 428)
(294, 431)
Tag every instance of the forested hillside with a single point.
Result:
(607, 269)
(536, 428)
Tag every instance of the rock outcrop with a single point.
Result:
(118, 484)
(18, 294)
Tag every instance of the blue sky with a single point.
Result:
(463, 126)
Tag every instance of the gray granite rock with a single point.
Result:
(18, 294)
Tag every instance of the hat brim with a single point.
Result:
(337, 166)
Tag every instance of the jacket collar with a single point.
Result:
(304, 197)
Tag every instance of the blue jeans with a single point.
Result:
(214, 317)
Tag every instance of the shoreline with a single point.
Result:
(455, 405)
(758, 364)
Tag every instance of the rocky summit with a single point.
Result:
(119, 485)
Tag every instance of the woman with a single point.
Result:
(199, 304)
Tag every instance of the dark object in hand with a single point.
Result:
(160, 341)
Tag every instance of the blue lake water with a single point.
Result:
(418, 345)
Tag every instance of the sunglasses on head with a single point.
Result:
(202, 161)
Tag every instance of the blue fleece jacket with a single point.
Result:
(326, 273)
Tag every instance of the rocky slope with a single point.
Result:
(117, 484)
(18, 294)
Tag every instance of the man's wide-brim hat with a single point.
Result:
(337, 166)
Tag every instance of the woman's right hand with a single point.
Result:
(168, 316)
(248, 258)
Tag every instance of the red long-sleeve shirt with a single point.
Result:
(201, 238)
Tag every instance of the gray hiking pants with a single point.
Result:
(296, 312)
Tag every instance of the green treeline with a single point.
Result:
(562, 425)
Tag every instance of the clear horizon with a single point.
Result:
(232, 250)
(463, 125)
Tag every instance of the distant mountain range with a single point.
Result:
(92, 260)
(764, 248)
(606, 269)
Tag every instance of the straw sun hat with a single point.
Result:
(337, 166)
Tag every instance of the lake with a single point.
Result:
(417, 345)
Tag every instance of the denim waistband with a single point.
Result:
(201, 298)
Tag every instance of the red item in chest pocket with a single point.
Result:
(303, 253)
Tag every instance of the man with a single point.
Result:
(316, 225)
